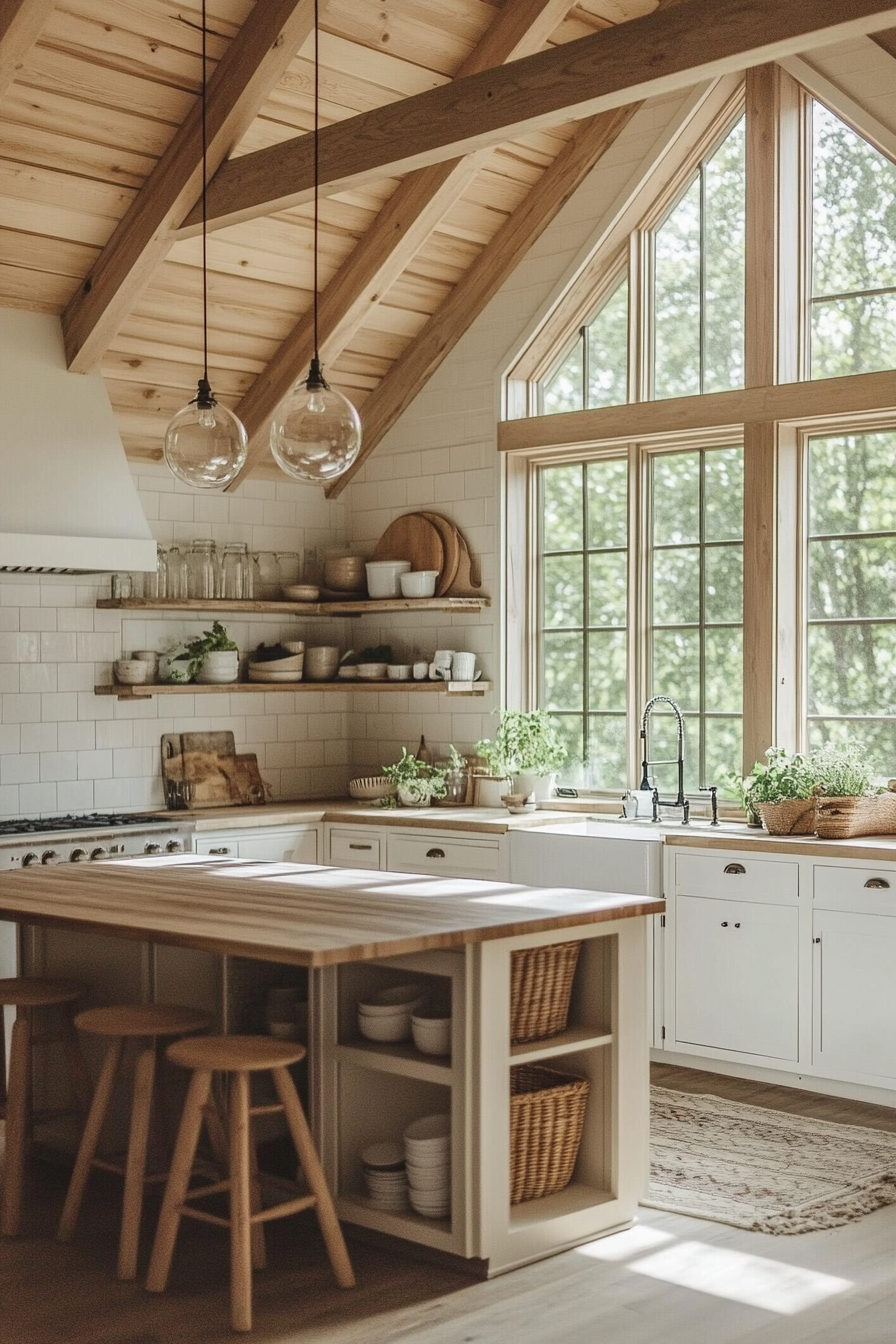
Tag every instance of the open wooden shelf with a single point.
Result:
(564, 1043)
(347, 607)
(150, 689)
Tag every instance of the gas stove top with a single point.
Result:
(90, 821)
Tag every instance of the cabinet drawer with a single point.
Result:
(355, 849)
(458, 858)
(869, 891)
(738, 877)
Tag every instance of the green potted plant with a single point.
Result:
(416, 782)
(528, 746)
(848, 802)
(214, 657)
(782, 790)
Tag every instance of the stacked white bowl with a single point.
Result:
(386, 1015)
(385, 1175)
(427, 1150)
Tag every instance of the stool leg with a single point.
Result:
(178, 1181)
(135, 1167)
(76, 1065)
(259, 1249)
(2, 1060)
(314, 1174)
(18, 1109)
(90, 1140)
(240, 1204)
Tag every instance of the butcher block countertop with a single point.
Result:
(748, 840)
(484, 820)
(295, 913)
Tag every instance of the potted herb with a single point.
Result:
(416, 782)
(528, 746)
(782, 791)
(214, 658)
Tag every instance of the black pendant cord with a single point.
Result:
(315, 373)
(205, 392)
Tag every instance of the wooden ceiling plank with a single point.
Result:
(251, 66)
(409, 374)
(886, 41)
(660, 53)
(21, 23)
(397, 233)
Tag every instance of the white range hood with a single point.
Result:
(68, 502)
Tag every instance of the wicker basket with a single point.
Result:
(547, 1111)
(795, 816)
(839, 818)
(540, 986)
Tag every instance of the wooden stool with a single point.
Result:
(146, 1023)
(239, 1056)
(28, 994)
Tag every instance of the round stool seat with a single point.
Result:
(33, 992)
(235, 1054)
(142, 1019)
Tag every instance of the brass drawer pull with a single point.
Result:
(222, 850)
(735, 868)
(354, 846)
(877, 882)
(435, 853)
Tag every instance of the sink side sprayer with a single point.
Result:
(69, 503)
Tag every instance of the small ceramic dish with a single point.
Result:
(372, 671)
(301, 592)
(518, 802)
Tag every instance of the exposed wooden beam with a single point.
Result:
(395, 236)
(253, 63)
(659, 53)
(646, 420)
(483, 279)
(21, 24)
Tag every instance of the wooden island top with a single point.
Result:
(296, 913)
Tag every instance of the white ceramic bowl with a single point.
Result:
(294, 645)
(432, 1035)
(399, 671)
(418, 583)
(431, 1131)
(321, 662)
(371, 787)
(301, 592)
(383, 577)
(395, 1028)
(428, 1210)
(400, 998)
(132, 671)
(372, 671)
(384, 1156)
(281, 664)
(438, 1179)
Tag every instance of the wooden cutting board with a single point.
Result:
(412, 537)
(452, 543)
(209, 761)
(468, 579)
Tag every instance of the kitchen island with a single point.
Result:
(358, 931)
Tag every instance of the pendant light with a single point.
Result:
(205, 444)
(315, 432)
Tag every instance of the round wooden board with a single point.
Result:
(452, 544)
(412, 537)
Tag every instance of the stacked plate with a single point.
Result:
(386, 1016)
(427, 1150)
(278, 669)
(385, 1175)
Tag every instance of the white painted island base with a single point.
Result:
(367, 1092)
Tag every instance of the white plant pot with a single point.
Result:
(542, 786)
(489, 789)
(411, 796)
(219, 667)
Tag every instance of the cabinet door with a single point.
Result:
(737, 976)
(290, 846)
(354, 849)
(855, 993)
(444, 855)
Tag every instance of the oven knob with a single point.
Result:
(29, 860)
(152, 849)
(77, 856)
(173, 847)
(99, 853)
(49, 856)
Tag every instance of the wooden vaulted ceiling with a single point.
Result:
(439, 170)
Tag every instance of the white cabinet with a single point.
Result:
(361, 847)
(854, 941)
(282, 844)
(733, 940)
(400, 849)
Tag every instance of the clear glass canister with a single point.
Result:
(176, 565)
(236, 571)
(155, 583)
(202, 568)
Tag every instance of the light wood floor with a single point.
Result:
(669, 1280)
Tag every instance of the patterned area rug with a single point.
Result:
(764, 1170)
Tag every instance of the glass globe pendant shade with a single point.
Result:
(206, 445)
(315, 432)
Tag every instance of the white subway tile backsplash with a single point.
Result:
(75, 796)
(36, 798)
(95, 765)
(59, 765)
(20, 769)
(76, 736)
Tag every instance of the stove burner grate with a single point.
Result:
(91, 821)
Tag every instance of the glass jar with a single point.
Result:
(236, 571)
(202, 567)
(267, 567)
(176, 566)
(155, 582)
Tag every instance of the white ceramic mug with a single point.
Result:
(421, 671)
(463, 666)
(440, 667)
